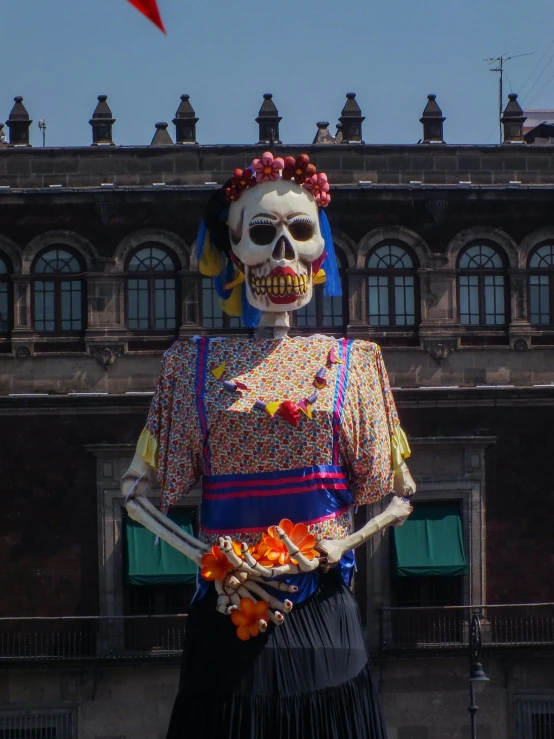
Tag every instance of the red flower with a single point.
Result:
(298, 169)
(232, 193)
(289, 411)
(242, 179)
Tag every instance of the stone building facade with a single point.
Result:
(447, 261)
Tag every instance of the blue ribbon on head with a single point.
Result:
(226, 275)
(201, 239)
(250, 315)
(332, 287)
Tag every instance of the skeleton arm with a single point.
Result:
(395, 514)
(245, 577)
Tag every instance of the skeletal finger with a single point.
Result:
(305, 564)
(274, 603)
(257, 568)
(223, 600)
(277, 584)
(226, 546)
(235, 602)
(276, 617)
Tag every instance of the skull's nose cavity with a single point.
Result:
(283, 250)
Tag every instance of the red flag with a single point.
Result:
(149, 8)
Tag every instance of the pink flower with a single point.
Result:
(318, 185)
(267, 168)
(323, 199)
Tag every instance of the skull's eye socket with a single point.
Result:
(262, 234)
(301, 230)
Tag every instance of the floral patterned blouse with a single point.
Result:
(257, 467)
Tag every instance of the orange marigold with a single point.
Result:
(272, 551)
(247, 617)
(215, 565)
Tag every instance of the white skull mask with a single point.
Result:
(275, 235)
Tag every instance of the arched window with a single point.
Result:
(482, 287)
(391, 286)
(5, 295)
(541, 286)
(152, 290)
(58, 292)
(323, 312)
(212, 313)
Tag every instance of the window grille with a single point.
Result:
(541, 286)
(535, 718)
(58, 292)
(152, 291)
(392, 287)
(212, 313)
(324, 312)
(37, 725)
(482, 293)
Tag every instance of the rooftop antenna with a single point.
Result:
(42, 126)
(500, 61)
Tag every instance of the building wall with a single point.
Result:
(48, 529)
(449, 382)
(424, 698)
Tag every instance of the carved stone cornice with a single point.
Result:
(440, 349)
(106, 355)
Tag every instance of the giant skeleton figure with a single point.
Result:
(277, 244)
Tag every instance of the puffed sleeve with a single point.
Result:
(372, 442)
(171, 441)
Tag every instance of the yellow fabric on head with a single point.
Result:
(320, 277)
(400, 449)
(147, 448)
(211, 262)
(232, 306)
(238, 279)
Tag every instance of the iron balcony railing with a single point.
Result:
(91, 638)
(161, 637)
(447, 627)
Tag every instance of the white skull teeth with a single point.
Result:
(279, 286)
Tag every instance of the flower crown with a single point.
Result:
(268, 168)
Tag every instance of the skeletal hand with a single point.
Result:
(241, 575)
(404, 485)
(247, 578)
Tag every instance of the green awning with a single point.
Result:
(430, 543)
(149, 563)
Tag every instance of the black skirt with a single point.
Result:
(308, 678)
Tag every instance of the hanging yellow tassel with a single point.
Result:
(320, 277)
(232, 306)
(237, 280)
(211, 262)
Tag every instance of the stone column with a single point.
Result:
(22, 335)
(105, 316)
(519, 328)
(439, 311)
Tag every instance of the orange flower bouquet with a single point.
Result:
(215, 565)
(271, 551)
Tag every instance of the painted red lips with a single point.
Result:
(282, 285)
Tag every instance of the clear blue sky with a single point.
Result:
(60, 54)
